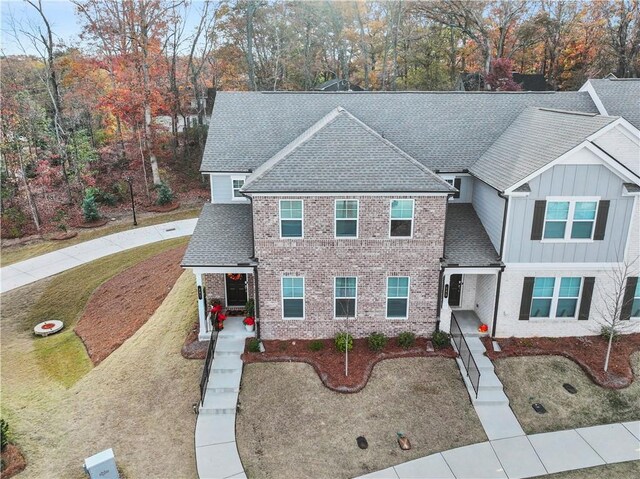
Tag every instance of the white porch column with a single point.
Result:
(203, 332)
(445, 310)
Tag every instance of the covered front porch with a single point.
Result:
(220, 254)
(471, 270)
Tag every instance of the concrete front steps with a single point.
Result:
(216, 451)
(491, 403)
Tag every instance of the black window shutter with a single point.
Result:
(587, 294)
(601, 220)
(627, 301)
(527, 295)
(457, 182)
(538, 219)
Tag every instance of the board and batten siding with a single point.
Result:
(490, 209)
(570, 180)
(221, 190)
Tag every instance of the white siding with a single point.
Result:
(490, 209)
(485, 297)
(222, 189)
(621, 147)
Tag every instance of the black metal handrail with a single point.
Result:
(460, 343)
(204, 380)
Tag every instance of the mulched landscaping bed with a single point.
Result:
(330, 364)
(162, 208)
(120, 306)
(14, 462)
(588, 352)
(192, 348)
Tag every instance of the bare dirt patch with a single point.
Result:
(13, 460)
(587, 351)
(192, 347)
(162, 208)
(120, 306)
(291, 426)
(329, 363)
(540, 379)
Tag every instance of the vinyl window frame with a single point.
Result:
(636, 297)
(406, 316)
(301, 219)
(412, 219)
(335, 298)
(572, 200)
(234, 189)
(553, 309)
(303, 298)
(336, 219)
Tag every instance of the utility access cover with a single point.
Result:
(539, 408)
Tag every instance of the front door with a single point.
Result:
(236, 289)
(455, 290)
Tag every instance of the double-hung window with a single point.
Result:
(345, 294)
(397, 297)
(293, 297)
(555, 297)
(401, 218)
(570, 219)
(346, 218)
(291, 219)
(635, 306)
(236, 184)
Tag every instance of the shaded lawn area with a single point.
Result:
(292, 426)
(532, 379)
(16, 253)
(137, 401)
(62, 357)
(621, 470)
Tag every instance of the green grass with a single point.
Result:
(17, 253)
(63, 356)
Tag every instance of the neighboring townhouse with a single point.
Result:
(388, 212)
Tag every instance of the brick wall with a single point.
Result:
(216, 286)
(372, 257)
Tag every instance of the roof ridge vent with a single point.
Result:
(568, 112)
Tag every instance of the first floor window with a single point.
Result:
(555, 297)
(345, 297)
(291, 218)
(292, 297)
(397, 297)
(236, 184)
(401, 218)
(635, 307)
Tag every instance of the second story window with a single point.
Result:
(236, 184)
(346, 218)
(570, 220)
(401, 218)
(291, 219)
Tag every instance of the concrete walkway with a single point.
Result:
(216, 452)
(40, 267)
(526, 456)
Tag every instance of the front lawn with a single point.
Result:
(539, 379)
(292, 426)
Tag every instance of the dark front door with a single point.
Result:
(236, 289)
(455, 290)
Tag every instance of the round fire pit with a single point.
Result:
(48, 327)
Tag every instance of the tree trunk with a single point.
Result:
(250, 12)
(35, 215)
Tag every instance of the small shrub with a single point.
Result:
(406, 339)
(60, 219)
(526, 343)
(344, 342)
(607, 332)
(90, 210)
(4, 431)
(440, 339)
(13, 222)
(254, 346)
(316, 345)
(165, 195)
(120, 190)
(283, 346)
(376, 341)
(250, 308)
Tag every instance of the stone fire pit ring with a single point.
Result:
(46, 328)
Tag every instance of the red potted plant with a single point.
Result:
(220, 321)
(249, 323)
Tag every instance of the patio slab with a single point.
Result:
(518, 458)
(477, 461)
(429, 467)
(218, 461)
(564, 450)
(612, 442)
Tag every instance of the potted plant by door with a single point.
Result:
(249, 323)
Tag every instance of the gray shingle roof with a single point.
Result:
(537, 137)
(442, 130)
(467, 242)
(223, 236)
(340, 153)
(620, 97)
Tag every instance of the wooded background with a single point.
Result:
(129, 101)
